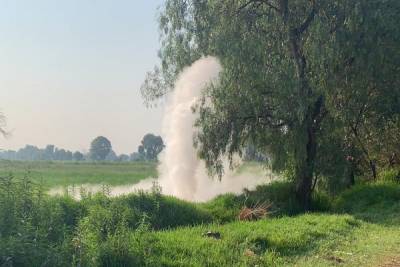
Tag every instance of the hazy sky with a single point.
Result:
(71, 70)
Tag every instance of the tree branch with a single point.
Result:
(308, 20)
(266, 2)
(244, 6)
(268, 120)
(270, 5)
(284, 8)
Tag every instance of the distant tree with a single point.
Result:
(136, 156)
(9, 155)
(77, 156)
(68, 155)
(29, 152)
(62, 154)
(112, 156)
(100, 148)
(151, 146)
(49, 152)
(123, 158)
(33, 153)
(141, 150)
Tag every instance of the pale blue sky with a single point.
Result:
(71, 70)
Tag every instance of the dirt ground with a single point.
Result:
(390, 262)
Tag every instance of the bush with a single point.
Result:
(363, 197)
(111, 241)
(163, 211)
(375, 202)
(281, 194)
(224, 208)
(321, 202)
(34, 228)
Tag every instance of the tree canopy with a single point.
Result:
(311, 83)
(151, 146)
(78, 156)
(100, 148)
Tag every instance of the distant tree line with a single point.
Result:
(50, 152)
(100, 150)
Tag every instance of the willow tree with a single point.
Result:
(288, 67)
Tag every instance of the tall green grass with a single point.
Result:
(374, 202)
(360, 226)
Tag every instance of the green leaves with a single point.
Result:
(278, 59)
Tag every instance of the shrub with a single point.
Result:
(363, 197)
(321, 201)
(33, 227)
(224, 208)
(375, 202)
(107, 244)
(164, 211)
(281, 194)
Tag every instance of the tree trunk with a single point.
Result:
(350, 181)
(309, 125)
(351, 167)
(305, 169)
(303, 189)
(372, 165)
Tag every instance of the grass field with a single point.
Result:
(52, 174)
(306, 240)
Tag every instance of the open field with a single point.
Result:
(54, 173)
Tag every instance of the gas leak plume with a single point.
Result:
(182, 174)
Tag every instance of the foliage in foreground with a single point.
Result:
(38, 230)
(149, 229)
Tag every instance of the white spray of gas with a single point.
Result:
(182, 174)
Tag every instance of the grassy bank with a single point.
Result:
(359, 227)
(55, 173)
(305, 240)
